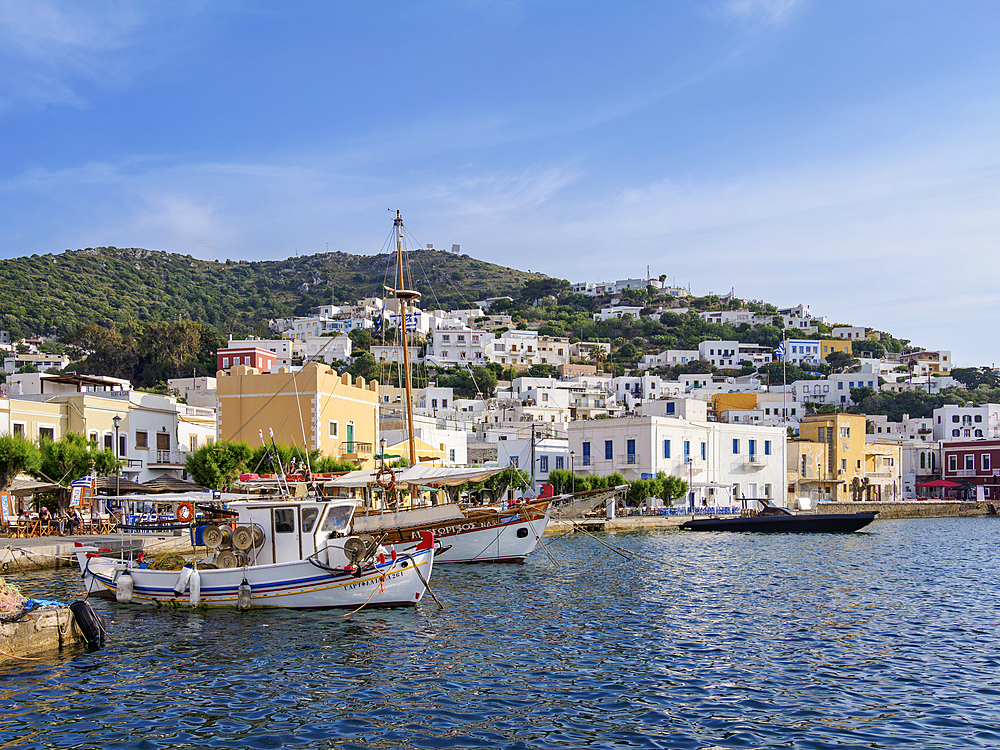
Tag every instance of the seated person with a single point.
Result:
(45, 517)
(73, 521)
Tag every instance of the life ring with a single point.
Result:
(185, 512)
(386, 479)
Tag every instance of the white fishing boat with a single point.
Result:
(271, 552)
(398, 514)
(396, 505)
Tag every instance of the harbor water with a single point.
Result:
(882, 638)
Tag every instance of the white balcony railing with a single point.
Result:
(167, 457)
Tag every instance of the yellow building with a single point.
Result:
(882, 472)
(722, 402)
(844, 437)
(315, 408)
(808, 476)
(829, 346)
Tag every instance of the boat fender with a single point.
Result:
(183, 579)
(185, 512)
(244, 595)
(195, 584)
(88, 621)
(124, 588)
(394, 555)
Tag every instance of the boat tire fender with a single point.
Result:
(88, 621)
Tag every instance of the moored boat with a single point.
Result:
(293, 553)
(495, 532)
(775, 519)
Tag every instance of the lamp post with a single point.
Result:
(572, 473)
(118, 421)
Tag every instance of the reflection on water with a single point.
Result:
(880, 638)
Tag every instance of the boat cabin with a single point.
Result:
(292, 530)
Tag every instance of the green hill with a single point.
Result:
(55, 294)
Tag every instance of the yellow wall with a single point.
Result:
(828, 346)
(32, 416)
(300, 407)
(846, 448)
(723, 401)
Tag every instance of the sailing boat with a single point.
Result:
(498, 532)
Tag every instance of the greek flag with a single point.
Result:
(780, 351)
(86, 481)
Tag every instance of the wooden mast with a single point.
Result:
(402, 295)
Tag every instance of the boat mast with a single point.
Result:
(402, 295)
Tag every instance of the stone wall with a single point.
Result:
(913, 509)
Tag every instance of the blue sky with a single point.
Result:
(842, 154)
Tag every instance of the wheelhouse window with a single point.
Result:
(284, 520)
(309, 516)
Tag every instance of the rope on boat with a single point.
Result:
(426, 584)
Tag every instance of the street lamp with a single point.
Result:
(118, 421)
(572, 473)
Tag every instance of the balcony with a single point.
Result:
(879, 474)
(630, 459)
(356, 448)
(754, 461)
(964, 473)
(167, 458)
(586, 461)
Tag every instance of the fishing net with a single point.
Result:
(167, 561)
(12, 601)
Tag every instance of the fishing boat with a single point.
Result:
(774, 519)
(490, 532)
(270, 552)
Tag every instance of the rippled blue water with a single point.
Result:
(882, 638)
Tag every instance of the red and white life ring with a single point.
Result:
(185, 512)
(386, 479)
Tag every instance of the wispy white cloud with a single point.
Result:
(50, 48)
(763, 12)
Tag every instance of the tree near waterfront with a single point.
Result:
(17, 455)
(218, 465)
(72, 457)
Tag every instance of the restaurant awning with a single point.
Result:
(938, 483)
(24, 487)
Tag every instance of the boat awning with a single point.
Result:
(352, 479)
(441, 476)
(435, 476)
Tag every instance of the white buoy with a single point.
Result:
(195, 584)
(182, 580)
(243, 597)
(124, 588)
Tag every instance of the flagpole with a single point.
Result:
(784, 382)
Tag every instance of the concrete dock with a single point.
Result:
(41, 631)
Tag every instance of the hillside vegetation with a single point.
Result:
(54, 295)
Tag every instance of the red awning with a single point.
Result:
(938, 483)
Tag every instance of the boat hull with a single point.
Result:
(295, 585)
(475, 535)
(830, 523)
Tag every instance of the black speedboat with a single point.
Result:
(775, 519)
